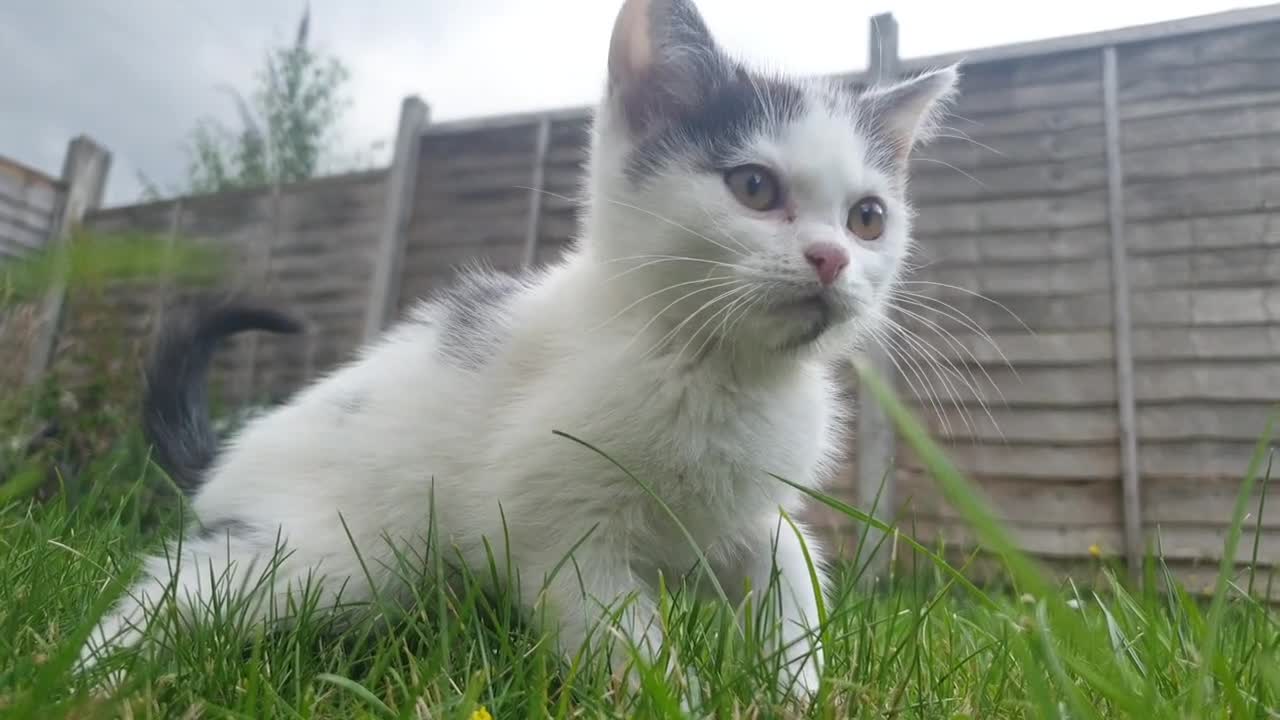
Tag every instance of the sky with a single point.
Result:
(136, 75)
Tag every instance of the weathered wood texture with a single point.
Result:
(29, 205)
(307, 247)
(1202, 177)
(1014, 242)
(1012, 204)
(476, 194)
(1199, 122)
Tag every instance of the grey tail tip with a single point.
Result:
(175, 406)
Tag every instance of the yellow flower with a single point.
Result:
(1095, 551)
(481, 714)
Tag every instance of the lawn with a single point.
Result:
(927, 644)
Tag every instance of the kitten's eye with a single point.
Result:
(866, 218)
(754, 186)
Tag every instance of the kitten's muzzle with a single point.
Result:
(811, 315)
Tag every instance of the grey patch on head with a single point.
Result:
(473, 316)
(223, 528)
(738, 106)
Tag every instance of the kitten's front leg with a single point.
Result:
(577, 604)
(789, 598)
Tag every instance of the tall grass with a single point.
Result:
(932, 644)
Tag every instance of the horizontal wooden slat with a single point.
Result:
(994, 276)
(1030, 462)
(1231, 268)
(1022, 312)
(1227, 75)
(1207, 306)
(1036, 246)
(1208, 195)
(19, 211)
(979, 102)
(1185, 543)
(1200, 420)
(1020, 350)
(1211, 158)
(28, 186)
(999, 425)
(1232, 119)
(21, 238)
(1250, 229)
(1157, 108)
(1029, 121)
(1079, 209)
(1247, 42)
(1207, 343)
(1052, 502)
(1019, 149)
(934, 182)
(1227, 381)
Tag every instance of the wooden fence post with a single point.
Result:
(1122, 320)
(541, 142)
(402, 177)
(875, 439)
(84, 174)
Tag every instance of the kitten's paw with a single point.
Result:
(803, 678)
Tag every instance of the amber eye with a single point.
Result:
(754, 186)
(866, 218)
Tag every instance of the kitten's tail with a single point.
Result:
(175, 409)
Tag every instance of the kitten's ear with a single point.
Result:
(907, 114)
(662, 59)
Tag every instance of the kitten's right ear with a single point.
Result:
(908, 113)
(662, 60)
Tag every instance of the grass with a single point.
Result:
(930, 644)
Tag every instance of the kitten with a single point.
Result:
(741, 231)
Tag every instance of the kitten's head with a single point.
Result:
(766, 211)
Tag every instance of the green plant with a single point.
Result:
(59, 430)
(287, 125)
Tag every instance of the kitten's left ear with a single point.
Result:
(907, 114)
(662, 61)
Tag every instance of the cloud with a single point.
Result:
(137, 74)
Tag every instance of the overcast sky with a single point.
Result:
(136, 74)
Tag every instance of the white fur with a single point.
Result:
(703, 418)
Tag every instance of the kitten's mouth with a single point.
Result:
(815, 314)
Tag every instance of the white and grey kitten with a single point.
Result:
(740, 232)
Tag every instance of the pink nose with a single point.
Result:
(827, 260)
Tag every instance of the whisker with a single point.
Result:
(673, 332)
(946, 164)
(724, 313)
(673, 258)
(936, 358)
(673, 303)
(898, 303)
(933, 395)
(668, 288)
(885, 343)
(929, 353)
(971, 141)
(959, 316)
(975, 294)
(639, 209)
(732, 327)
(955, 344)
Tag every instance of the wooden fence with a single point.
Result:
(1111, 196)
(39, 213)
